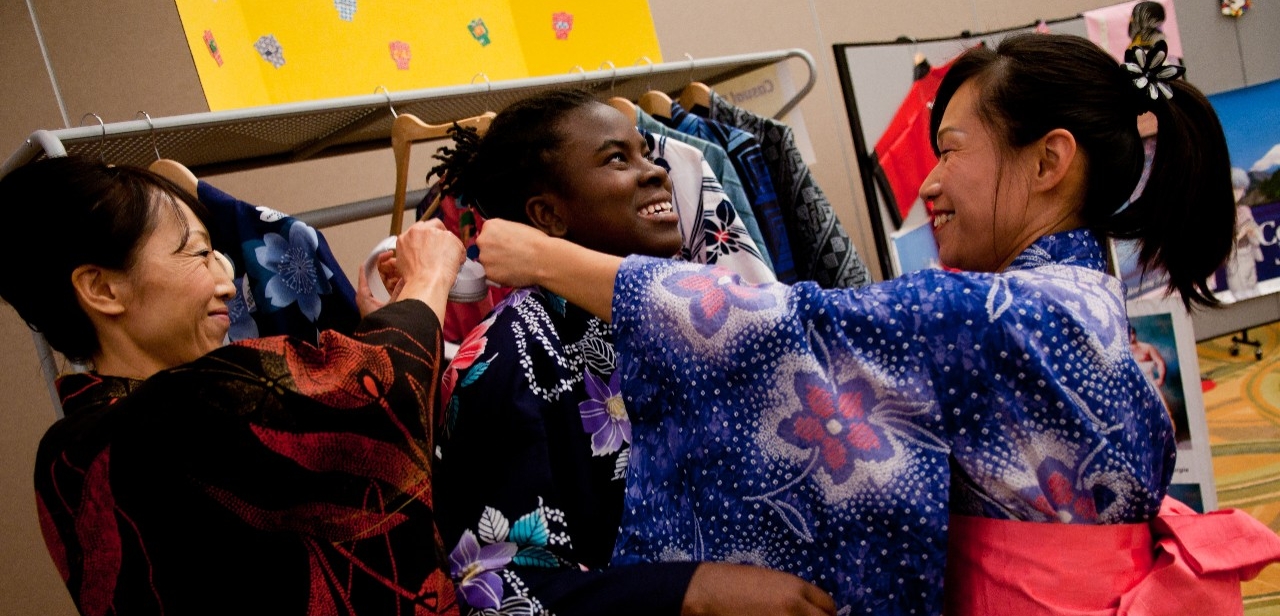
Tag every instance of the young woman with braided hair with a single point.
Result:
(992, 419)
(534, 444)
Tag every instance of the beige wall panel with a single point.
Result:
(29, 583)
(28, 98)
(116, 58)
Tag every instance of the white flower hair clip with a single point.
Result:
(1146, 67)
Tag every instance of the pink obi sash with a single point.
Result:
(1180, 563)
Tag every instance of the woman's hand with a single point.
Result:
(509, 253)
(427, 259)
(742, 590)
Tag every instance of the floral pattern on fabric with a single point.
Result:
(830, 433)
(291, 282)
(711, 228)
(297, 276)
(296, 474)
(539, 434)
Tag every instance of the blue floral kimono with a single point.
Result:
(287, 279)
(831, 433)
(530, 469)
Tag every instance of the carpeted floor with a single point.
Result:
(1242, 408)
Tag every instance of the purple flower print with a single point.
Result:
(604, 415)
(472, 567)
(715, 292)
(836, 424)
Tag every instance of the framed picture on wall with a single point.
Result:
(1162, 341)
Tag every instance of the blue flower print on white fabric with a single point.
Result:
(298, 277)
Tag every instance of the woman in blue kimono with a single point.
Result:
(839, 434)
(534, 445)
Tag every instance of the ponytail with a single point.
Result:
(1185, 216)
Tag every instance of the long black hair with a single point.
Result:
(1184, 219)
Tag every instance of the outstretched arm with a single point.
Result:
(517, 255)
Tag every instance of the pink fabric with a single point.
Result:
(1194, 566)
(1109, 28)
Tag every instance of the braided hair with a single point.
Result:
(514, 160)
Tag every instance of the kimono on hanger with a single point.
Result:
(709, 223)
(287, 280)
(723, 170)
(820, 247)
(748, 160)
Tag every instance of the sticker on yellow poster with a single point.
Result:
(291, 51)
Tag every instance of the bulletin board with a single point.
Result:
(263, 53)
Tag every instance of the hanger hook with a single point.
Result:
(613, 76)
(102, 143)
(690, 58)
(152, 128)
(578, 68)
(649, 83)
(387, 94)
(486, 81)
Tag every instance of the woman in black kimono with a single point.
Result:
(267, 477)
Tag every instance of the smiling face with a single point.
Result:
(980, 193)
(609, 196)
(175, 295)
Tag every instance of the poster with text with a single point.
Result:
(1250, 118)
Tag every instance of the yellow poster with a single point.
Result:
(251, 53)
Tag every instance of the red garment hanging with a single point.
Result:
(905, 151)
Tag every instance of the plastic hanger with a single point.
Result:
(695, 94)
(656, 103)
(407, 129)
(627, 107)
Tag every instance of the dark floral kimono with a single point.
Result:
(267, 477)
(533, 457)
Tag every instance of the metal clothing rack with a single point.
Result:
(235, 140)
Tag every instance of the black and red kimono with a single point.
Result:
(267, 477)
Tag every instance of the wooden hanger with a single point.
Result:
(695, 94)
(656, 103)
(627, 107)
(407, 129)
(177, 173)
